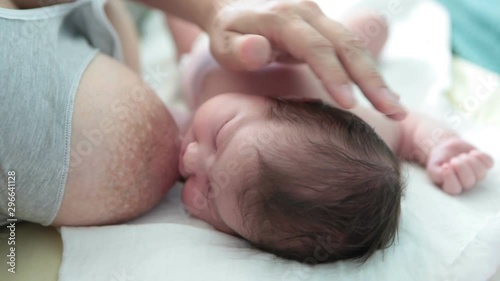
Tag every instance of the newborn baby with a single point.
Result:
(288, 174)
(268, 157)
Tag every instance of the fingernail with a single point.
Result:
(396, 110)
(398, 116)
(390, 95)
(345, 95)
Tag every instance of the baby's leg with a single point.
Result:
(184, 34)
(120, 18)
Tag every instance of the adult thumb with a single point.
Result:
(238, 51)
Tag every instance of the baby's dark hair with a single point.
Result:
(331, 191)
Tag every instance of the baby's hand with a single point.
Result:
(455, 165)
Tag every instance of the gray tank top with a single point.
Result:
(43, 55)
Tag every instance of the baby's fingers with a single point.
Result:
(484, 158)
(477, 165)
(451, 184)
(463, 171)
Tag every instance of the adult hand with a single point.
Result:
(248, 34)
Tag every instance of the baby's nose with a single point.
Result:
(191, 159)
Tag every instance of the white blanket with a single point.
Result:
(440, 237)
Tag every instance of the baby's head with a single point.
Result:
(299, 179)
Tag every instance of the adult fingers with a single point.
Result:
(307, 44)
(289, 32)
(238, 51)
(360, 67)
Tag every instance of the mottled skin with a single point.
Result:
(124, 142)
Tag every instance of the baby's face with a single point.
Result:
(218, 153)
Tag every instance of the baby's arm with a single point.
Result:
(452, 163)
(124, 26)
